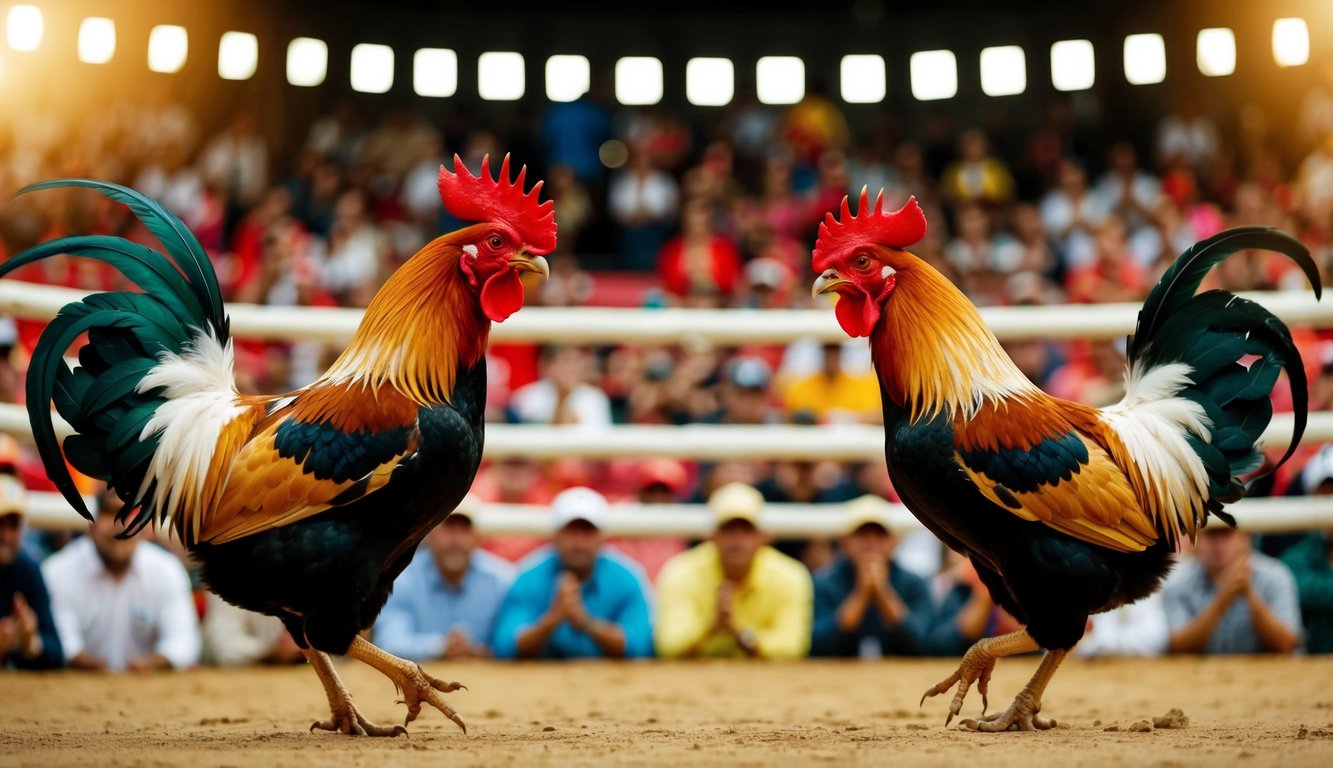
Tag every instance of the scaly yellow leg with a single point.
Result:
(977, 665)
(410, 679)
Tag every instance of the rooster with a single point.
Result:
(303, 506)
(1065, 510)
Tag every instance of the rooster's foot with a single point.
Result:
(416, 686)
(977, 665)
(1020, 716)
(348, 720)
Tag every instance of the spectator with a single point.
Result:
(977, 176)
(734, 595)
(576, 599)
(1230, 599)
(865, 604)
(835, 395)
(121, 604)
(444, 604)
(643, 201)
(1126, 190)
(235, 637)
(1187, 138)
(28, 637)
(1071, 215)
(699, 268)
(1136, 629)
(562, 395)
(1311, 560)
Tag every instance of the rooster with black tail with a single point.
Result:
(1064, 509)
(304, 506)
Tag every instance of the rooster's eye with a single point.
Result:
(496, 242)
(862, 262)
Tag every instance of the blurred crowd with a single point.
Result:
(654, 211)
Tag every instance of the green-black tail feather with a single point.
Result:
(127, 332)
(1236, 349)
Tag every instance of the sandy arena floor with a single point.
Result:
(1251, 712)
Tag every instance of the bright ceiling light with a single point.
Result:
(97, 40)
(168, 46)
(435, 72)
(1291, 42)
(1073, 65)
(780, 79)
(863, 79)
(934, 75)
(372, 68)
(25, 27)
(500, 76)
(639, 80)
(710, 82)
(238, 56)
(567, 77)
(307, 61)
(1145, 59)
(1215, 51)
(1004, 70)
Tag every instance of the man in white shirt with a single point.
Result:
(119, 604)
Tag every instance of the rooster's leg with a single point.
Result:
(977, 665)
(410, 679)
(345, 717)
(1022, 714)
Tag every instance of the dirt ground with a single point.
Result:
(1242, 711)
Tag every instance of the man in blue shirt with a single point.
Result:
(444, 604)
(576, 599)
(28, 637)
(865, 604)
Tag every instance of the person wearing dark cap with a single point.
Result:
(28, 636)
(577, 598)
(445, 603)
(865, 604)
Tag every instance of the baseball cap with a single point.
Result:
(736, 501)
(1318, 470)
(13, 497)
(867, 510)
(749, 373)
(579, 504)
(667, 472)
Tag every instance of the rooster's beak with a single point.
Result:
(827, 282)
(525, 263)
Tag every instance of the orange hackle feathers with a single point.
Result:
(897, 229)
(482, 198)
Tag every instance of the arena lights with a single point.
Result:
(1291, 42)
(168, 45)
(1073, 65)
(372, 68)
(25, 27)
(1004, 70)
(435, 72)
(567, 77)
(500, 76)
(710, 82)
(307, 61)
(1145, 59)
(97, 40)
(780, 79)
(863, 79)
(1215, 51)
(934, 75)
(238, 56)
(639, 80)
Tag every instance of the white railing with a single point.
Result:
(50, 512)
(600, 325)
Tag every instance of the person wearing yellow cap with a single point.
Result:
(28, 635)
(734, 595)
(865, 604)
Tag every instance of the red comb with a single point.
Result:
(898, 229)
(481, 198)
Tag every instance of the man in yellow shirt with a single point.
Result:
(834, 394)
(734, 595)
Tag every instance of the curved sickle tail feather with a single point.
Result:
(129, 335)
(1234, 349)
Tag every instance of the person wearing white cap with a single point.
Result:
(28, 637)
(865, 604)
(445, 603)
(734, 595)
(576, 599)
